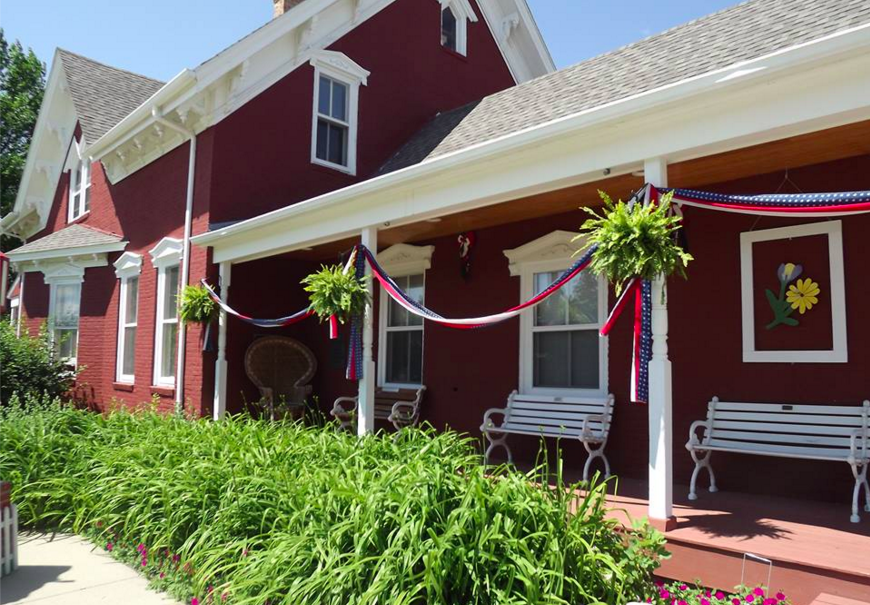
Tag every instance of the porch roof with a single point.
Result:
(72, 240)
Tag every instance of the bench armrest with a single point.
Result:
(487, 418)
(693, 433)
(858, 444)
(587, 432)
(404, 410)
(339, 410)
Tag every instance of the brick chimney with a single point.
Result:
(282, 6)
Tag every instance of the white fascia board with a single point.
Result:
(708, 114)
(517, 59)
(62, 253)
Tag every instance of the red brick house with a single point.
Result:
(426, 138)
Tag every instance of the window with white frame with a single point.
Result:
(79, 182)
(336, 101)
(64, 309)
(165, 257)
(455, 15)
(400, 333)
(127, 268)
(560, 348)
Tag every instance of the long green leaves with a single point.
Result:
(334, 292)
(281, 513)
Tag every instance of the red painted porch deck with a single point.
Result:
(818, 555)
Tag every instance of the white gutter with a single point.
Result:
(844, 41)
(185, 248)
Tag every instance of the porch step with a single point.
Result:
(830, 599)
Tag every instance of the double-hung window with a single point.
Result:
(449, 27)
(400, 333)
(166, 257)
(561, 351)
(336, 101)
(80, 182)
(127, 268)
(64, 303)
(455, 15)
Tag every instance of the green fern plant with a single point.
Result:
(196, 305)
(634, 241)
(334, 292)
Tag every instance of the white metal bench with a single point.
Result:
(813, 432)
(401, 407)
(585, 419)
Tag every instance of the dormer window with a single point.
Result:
(79, 182)
(455, 15)
(337, 79)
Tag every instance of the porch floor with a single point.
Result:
(817, 553)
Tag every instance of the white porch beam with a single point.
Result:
(661, 473)
(219, 408)
(366, 407)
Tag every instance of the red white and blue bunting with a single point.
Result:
(794, 205)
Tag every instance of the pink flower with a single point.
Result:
(707, 594)
(683, 587)
(162, 575)
(750, 598)
(704, 601)
(176, 558)
(224, 596)
(110, 546)
(759, 591)
(245, 552)
(663, 593)
(194, 601)
(210, 589)
(682, 602)
(659, 583)
(780, 596)
(770, 601)
(144, 561)
(735, 601)
(720, 595)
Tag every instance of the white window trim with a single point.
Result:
(553, 252)
(165, 255)
(839, 352)
(400, 260)
(127, 267)
(464, 12)
(65, 276)
(74, 158)
(343, 69)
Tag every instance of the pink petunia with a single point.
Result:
(682, 602)
(759, 591)
(780, 596)
(176, 558)
(663, 593)
(707, 594)
(162, 575)
(144, 562)
(720, 595)
(194, 601)
(770, 601)
(110, 546)
(704, 601)
(683, 587)
(735, 601)
(750, 598)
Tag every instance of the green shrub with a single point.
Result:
(29, 365)
(634, 241)
(263, 512)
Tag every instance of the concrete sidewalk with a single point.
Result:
(68, 570)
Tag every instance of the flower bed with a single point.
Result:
(680, 593)
(248, 512)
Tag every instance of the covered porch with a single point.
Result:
(532, 188)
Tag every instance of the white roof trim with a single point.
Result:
(166, 253)
(340, 64)
(71, 253)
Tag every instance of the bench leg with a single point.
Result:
(593, 454)
(701, 462)
(344, 423)
(860, 473)
(495, 442)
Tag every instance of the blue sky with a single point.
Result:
(158, 38)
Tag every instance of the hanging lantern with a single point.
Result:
(466, 245)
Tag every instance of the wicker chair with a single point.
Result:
(281, 368)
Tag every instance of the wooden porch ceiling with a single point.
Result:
(793, 152)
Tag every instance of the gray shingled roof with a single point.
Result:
(103, 95)
(74, 236)
(740, 33)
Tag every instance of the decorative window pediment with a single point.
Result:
(128, 265)
(340, 65)
(63, 273)
(557, 245)
(166, 253)
(405, 259)
(455, 15)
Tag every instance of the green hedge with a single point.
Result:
(278, 513)
(28, 365)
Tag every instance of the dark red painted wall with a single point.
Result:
(263, 150)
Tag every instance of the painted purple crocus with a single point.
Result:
(788, 272)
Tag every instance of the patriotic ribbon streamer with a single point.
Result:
(641, 350)
(776, 204)
(279, 322)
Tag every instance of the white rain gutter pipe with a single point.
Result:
(185, 248)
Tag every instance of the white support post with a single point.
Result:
(220, 365)
(366, 408)
(661, 474)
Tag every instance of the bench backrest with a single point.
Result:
(811, 431)
(549, 412)
(385, 398)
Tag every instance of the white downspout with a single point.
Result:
(185, 250)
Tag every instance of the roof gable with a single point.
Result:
(737, 34)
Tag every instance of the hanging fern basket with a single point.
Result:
(336, 296)
(634, 240)
(196, 305)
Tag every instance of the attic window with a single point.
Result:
(79, 182)
(455, 15)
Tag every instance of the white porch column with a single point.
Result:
(220, 365)
(366, 408)
(661, 475)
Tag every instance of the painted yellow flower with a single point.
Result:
(803, 295)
